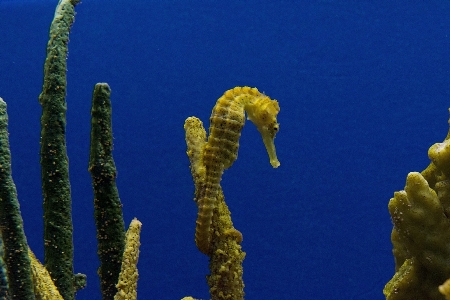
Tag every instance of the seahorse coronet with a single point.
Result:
(221, 149)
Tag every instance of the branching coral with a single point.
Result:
(421, 234)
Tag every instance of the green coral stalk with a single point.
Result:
(107, 205)
(11, 224)
(3, 277)
(58, 245)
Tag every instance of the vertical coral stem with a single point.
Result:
(58, 245)
(107, 205)
(11, 224)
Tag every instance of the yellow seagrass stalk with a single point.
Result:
(127, 285)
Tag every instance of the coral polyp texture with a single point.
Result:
(421, 233)
(107, 205)
(15, 245)
(215, 234)
(58, 229)
(44, 288)
(128, 277)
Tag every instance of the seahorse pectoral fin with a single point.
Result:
(268, 138)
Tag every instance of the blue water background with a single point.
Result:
(363, 88)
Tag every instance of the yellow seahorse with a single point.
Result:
(221, 149)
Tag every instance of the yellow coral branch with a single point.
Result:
(444, 289)
(44, 288)
(421, 233)
(225, 263)
(195, 141)
(127, 285)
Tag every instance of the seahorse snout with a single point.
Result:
(268, 136)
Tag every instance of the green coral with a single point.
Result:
(107, 205)
(58, 229)
(11, 225)
(56, 280)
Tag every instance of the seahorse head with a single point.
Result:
(263, 113)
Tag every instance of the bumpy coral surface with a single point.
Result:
(421, 234)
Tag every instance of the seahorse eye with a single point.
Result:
(276, 127)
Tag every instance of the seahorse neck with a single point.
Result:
(248, 102)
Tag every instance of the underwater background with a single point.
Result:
(364, 91)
